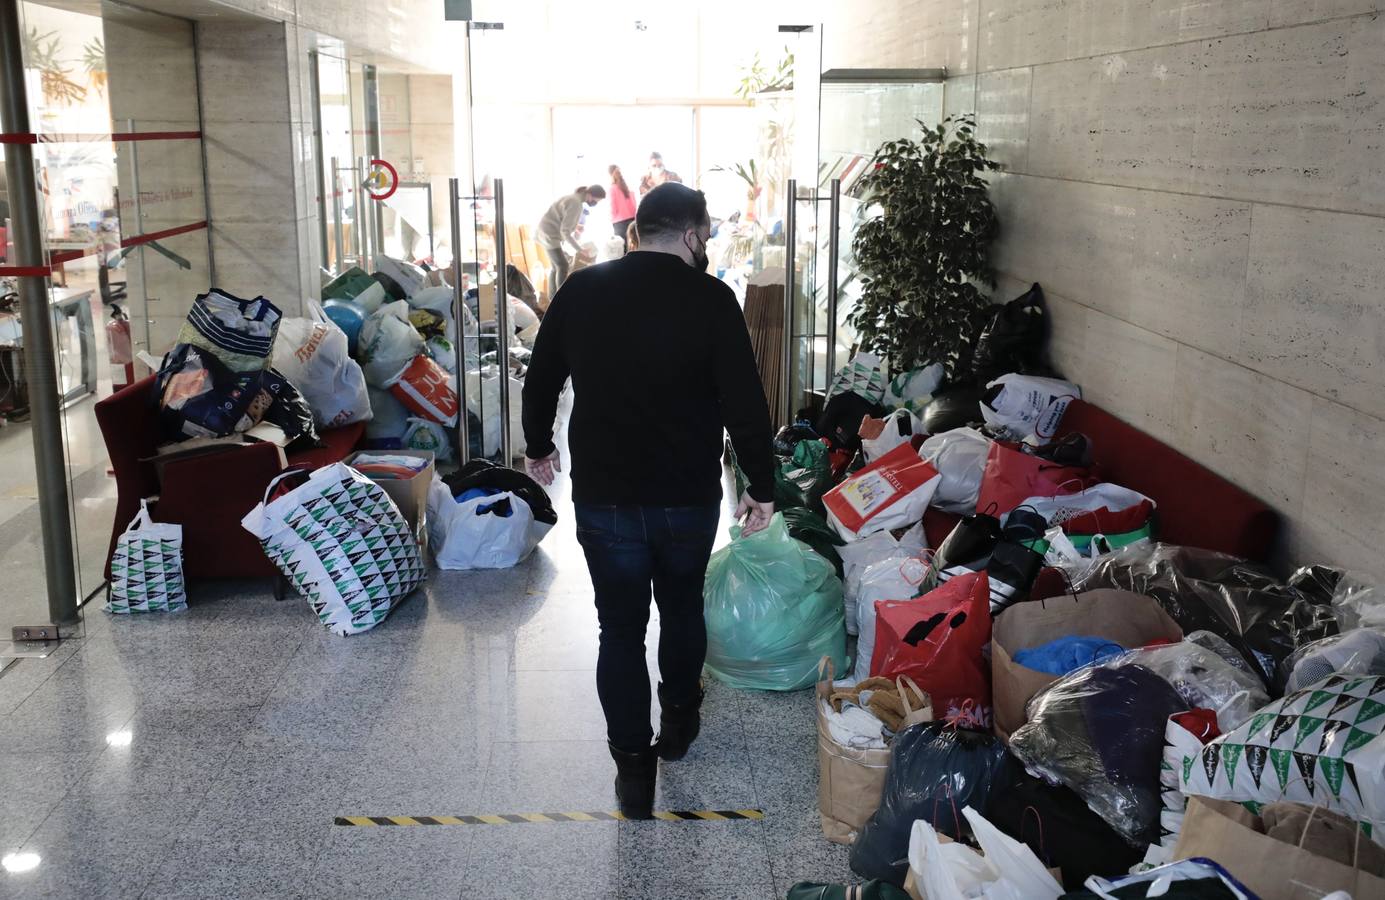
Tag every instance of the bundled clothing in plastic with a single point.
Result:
(312, 353)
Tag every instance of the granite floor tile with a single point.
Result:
(689, 859)
(549, 776)
(545, 862)
(214, 869)
(392, 862)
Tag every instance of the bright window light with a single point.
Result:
(21, 862)
(120, 738)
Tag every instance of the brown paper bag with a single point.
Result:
(1227, 832)
(1130, 620)
(851, 780)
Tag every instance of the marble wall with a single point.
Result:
(258, 124)
(1200, 188)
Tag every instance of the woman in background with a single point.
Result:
(622, 205)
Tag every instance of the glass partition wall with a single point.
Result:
(117, 159)
(856, 111)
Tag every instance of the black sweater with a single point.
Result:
(660, 361)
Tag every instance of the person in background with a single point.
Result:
(632, 238)
(557, 230)
(622, 206)
(657, 175)
(646, 462)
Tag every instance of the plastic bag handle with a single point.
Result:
(825, 668)
(900, 683)
(140, 518)
(1039, 819)
(274, 482)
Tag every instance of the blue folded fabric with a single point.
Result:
(473, 493)
(1065, 654)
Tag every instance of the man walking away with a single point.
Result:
(557, 228)
(660, 362)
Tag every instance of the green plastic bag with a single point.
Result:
(802, 479)
(347, 285)
(774, 609)
(813, 530)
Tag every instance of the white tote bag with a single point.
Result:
(858, 556)
(147, 567)
(475, 534)
(342, 543)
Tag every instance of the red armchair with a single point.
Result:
(208, 495)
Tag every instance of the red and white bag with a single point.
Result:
(426, 388)
(892, 492)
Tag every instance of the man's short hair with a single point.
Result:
(670, 209)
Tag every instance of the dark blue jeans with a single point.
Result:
(630, 549)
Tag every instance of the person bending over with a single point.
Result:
(661, 362)
(557, 230)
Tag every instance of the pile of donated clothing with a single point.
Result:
(1050, 702)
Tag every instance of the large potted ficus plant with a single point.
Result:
(923, 250)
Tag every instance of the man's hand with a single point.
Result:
(753, 514)
(541, 470)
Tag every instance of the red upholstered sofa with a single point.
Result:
(208, 495)
(1196, 507)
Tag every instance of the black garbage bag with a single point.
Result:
(967, 548)
(840, 421)
(1100, 732)
(813, 530)
(1014, 339)
(289, 411)
(802, 479)
(1060, 828)
(935, 770)
(789, 436)
(955, 406)
(484, 473)
(197, 395)
(1317, 583)
(1239, 601)
(393, 288)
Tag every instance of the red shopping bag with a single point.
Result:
(426, 389)
(892, 492)
(1012, 476)
(937, 640)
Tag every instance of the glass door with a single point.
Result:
(856, 111)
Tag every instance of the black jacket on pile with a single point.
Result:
(660, 361)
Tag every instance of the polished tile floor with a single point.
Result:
(206, 753)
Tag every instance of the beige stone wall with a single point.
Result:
(1200, 188)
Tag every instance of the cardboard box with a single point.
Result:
(409, 494)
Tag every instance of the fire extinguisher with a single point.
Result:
(118, 346)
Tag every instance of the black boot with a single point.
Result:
(635, 773)
(678, 726)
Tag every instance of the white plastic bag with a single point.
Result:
(147, 567)
(342, 543)
(1028, 408)
(465, 536)
(388, 343)
(890, 579)
(913, 390)
(424, 434)
(389, 418)
(1105, 495)
(959, 456)
(1004, 870)
(858, 556)
(900, 426)
(476, 401)
(407, 275)
(312, 354)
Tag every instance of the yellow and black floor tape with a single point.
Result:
(699, 815)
